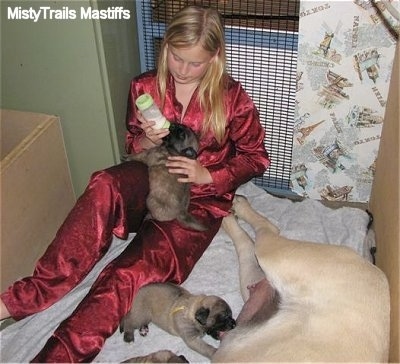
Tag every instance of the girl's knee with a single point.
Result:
(129, 178)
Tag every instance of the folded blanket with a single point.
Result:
(216, 273)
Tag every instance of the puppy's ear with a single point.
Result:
(172, 128)
(202, 314)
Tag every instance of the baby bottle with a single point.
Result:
(151, 112)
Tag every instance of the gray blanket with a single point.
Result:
(215, 273)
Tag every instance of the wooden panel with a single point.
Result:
(384, 204)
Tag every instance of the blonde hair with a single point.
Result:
(191, 26)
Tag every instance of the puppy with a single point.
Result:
(306, 301)
(177, 311)
(161, 356)
(169, 199)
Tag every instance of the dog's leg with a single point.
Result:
(261, 299)
(249, 269)
(127, 329)
(197, 344)
(244, 211)
(162, 356)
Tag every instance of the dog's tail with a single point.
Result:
(188, 220)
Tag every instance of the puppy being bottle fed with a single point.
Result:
(151, 112)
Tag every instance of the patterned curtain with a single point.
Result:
(345, 57)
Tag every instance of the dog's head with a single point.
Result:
(182, 141)
(215, 316)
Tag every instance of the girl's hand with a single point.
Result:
(192, 169)
(153, 136)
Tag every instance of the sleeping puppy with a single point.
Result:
(177, 311)
(303, 301)
(169, 199)
(161, 356)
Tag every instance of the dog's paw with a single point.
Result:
(144, 330)
(129, 337)
(239, 202)
(161, 356)
(239, 199)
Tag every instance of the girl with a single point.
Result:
(192, 87)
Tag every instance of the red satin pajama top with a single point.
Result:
(241, 155)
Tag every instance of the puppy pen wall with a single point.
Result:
(261, 46)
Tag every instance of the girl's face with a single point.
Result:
(188, 65)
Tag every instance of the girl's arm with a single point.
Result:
(140, 132)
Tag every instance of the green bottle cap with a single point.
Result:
(144, 101)
(166, 124)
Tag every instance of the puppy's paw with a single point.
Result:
(129, 337)
(161, 356)
(144, 330)
(125, 158)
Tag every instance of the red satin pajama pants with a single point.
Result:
(113, 203)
